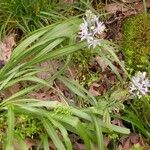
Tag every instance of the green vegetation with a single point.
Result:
(41, 46)
(69, 114)
(29, 15)
(136, 42)
(138, 115)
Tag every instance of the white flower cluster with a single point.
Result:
(90, 28)
(140, 84)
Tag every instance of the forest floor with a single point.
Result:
(90, 70)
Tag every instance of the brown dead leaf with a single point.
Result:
(32, 144)
(93, 89)
(100, 89)
(50, 68)
(133, 139)
(103, 63)
(63, 92)
(139, 6)
(2, 64)
(57, 93)
(79, 146)
(131, 1)
(130, 6)
(106, 141)
(28, 142)
(6, 47)
(114, 7)
(68, 1)
(15, 88)
(104, 83)
(117, 122)
(45, 95)
(114, 24)
(11, 90)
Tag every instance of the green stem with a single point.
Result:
(144, 4)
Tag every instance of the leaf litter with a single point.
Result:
(118, 12)
(6, 47)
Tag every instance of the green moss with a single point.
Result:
(25, 127)
(136, 42)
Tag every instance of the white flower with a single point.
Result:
(84, 25)
(94, 43)
(91, 27)
(84, 34)
(140, 85)
(91, 17)
(100, 27)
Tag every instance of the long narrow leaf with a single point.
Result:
(78, 89)
(53, 135)
(10, 133)
(64, 134)
(98, 133)
(45, 142)
(22, 92)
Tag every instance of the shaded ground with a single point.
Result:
(118, 12)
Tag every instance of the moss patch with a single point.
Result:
(136, 42)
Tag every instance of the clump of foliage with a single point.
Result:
(29, 15)
(56, 118)
(85, 74)
(27, 127)
(136, 42)
(143, 110)
(137, 111)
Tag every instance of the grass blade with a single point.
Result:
(64, 134)
(53, 135)
(45, 142)
(11, 124)
(78, 89)
(98, 134)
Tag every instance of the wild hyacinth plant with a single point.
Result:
(137, 113)
(50, 43)
(140, 84)
(92, 31)
(91, 28)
